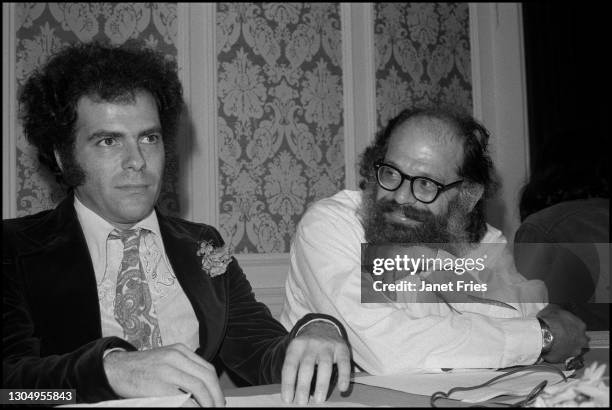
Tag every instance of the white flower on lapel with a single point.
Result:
(214, 260)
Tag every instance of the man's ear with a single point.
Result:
(471, 194)
(58, 159)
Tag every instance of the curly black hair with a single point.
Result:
(477, 165)
(571, 164)
(48, 101)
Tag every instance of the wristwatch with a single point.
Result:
(547, 337)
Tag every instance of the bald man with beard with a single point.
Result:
(425, 180)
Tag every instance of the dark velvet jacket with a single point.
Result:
(51, 328)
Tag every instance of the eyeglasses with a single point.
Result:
(424, 189)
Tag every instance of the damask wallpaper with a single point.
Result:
(280, 128)
(280, 107)
(422, 56)
(43, 28)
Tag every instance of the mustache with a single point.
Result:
(388, 205)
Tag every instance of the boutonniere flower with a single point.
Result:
(214, 260)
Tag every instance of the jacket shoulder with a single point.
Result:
(11, 226)
(581, 220)
(11, 229)
(17, 224)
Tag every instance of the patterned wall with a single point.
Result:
(280, 107)
(279, 95)
(43, 28)
(422, 56)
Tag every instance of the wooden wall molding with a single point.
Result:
(10, 126)
(500, 101)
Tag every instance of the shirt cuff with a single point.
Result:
(114, 349)
(523, 339)
(297, 333)
(311, 317)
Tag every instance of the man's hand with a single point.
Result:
(163, 371)
(317, 344)
(569, 333)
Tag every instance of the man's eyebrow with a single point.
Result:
(426, 174)
(105, 134)
(115, 134)
(153, 130)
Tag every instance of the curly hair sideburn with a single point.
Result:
(48, 101)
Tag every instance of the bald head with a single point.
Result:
(442, 130)
(430, 140)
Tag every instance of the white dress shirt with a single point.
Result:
(386, 338)
(175, 315)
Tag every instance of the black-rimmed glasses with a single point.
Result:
(424, 189)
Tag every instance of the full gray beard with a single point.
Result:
(448, 230)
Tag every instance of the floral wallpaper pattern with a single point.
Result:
(280, 107)
(422, 56)
(280, 118)
(42, 29)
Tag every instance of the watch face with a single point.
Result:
(548, 339)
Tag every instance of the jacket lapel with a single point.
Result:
(208, 296)
(62, 290)
(60, 280)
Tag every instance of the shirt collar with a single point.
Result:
(96, 228)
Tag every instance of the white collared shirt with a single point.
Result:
(386, 338)
(176, 317)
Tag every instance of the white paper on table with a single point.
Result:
(517, 384)
(274, 400)
(161, 401)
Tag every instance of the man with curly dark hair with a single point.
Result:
(426, 177)
(108, 296)
(565, 232)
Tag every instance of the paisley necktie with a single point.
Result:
(134, 309)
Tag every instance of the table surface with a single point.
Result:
(376, 396)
